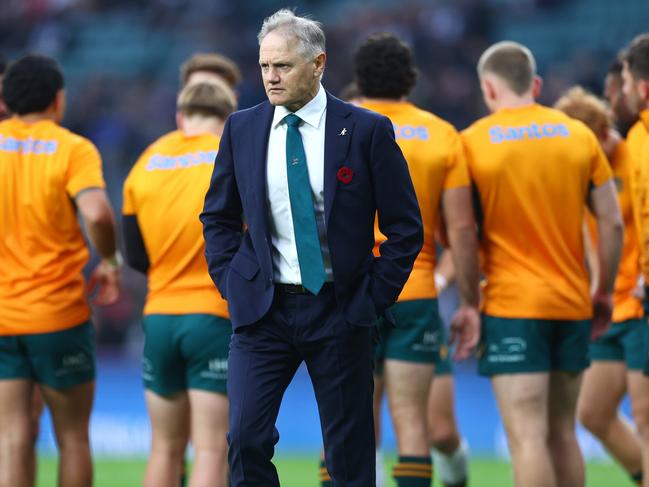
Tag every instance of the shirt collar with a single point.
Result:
(311, 113)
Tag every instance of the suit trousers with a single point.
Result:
(339, 358)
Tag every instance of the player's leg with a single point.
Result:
(523, 405)
(169, 417)
(64, 366)
(163, 374)
(16, 388)
(638, 387)
(16, 446)
(449, 451)
(562, 439)
(636, 345)
(70, 410)
(603, 387)
(410, 355)
(36, 412)
(209, 428)
(569, 358)
(516, 355)
(205, 341)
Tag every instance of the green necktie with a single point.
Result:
(309, 253)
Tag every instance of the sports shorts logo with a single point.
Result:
(216, 369)
(74, 362)
(429, 342)
(147, 369)
(509, 350)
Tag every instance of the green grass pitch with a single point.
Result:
(303, 472)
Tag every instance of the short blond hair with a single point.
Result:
(582, 105)
(213, 63)
(213, 99)
(512, 62)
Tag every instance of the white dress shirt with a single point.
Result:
(286, 267)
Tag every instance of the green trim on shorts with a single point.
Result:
(185, 352)
(60, 359)
(515, 345)
(626, 341)
(416, 337)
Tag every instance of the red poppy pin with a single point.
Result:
(345, 175)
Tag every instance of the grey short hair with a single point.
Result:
(308, 32)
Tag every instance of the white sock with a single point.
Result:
(380, 469)
(453, 468)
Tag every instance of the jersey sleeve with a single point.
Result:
(84, 168)
(457, 172)
(128, 196)
(600, 170)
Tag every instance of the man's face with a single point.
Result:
(289, 79)
(616, 99)
(630, 91)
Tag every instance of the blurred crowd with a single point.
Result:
(121, 60)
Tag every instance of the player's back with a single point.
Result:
(165, 190)
(533, 167)
(42, 251)
(435, 157)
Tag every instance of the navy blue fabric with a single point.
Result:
(332, 331)
(240, 261)
(264, 358)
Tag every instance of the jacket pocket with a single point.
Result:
(244, 266)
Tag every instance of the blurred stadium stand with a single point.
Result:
(121, 60)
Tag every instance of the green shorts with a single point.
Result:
(511, 345)
(417, 337)
(623, 342)
(443, 361)
(185, 352)
(59, 359)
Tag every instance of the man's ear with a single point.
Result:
(488, 89)
(537, 84)
(58, 105)
(180, 120)
(320, 62)
(642, 86)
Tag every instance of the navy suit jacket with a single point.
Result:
(236, 215)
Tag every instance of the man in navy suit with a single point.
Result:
(288, 225)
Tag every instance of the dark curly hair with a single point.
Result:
(384, 68)
(30, 84)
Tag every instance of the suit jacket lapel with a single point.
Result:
(259, 130)
(338, 132)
